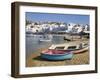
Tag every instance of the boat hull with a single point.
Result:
(57, 56)
(80, 50)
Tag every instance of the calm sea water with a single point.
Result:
(33, 42)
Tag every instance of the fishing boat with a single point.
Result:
(74, 47)
(56, 55)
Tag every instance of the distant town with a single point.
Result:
(55, 27)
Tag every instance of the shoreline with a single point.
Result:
(34, 59)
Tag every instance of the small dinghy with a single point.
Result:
(44, 40)
(56, 55)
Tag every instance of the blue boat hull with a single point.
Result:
(57, 56)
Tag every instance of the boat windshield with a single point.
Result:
(60, 48)
(71, 47)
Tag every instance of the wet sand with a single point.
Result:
(34, 60)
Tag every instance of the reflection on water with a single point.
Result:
(33, 42)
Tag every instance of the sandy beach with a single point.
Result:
(35, 60)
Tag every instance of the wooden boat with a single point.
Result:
(74, 47)
(56, 55)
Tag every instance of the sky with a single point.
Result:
(52, 17)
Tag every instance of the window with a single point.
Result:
(59, 48)
(71, 47)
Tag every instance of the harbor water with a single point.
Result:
(33, 43)
(34, 46)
